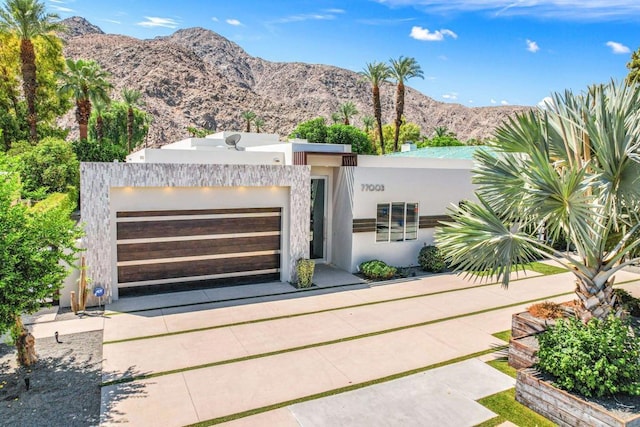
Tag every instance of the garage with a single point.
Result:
(182, 249)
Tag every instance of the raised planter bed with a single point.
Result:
(523, 352)
(524, 324)
(566, 409)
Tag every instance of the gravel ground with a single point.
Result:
(64, 383)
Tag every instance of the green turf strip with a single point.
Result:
(504, 335)
(256, 411)
(505, 405)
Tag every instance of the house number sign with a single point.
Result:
(372, 187)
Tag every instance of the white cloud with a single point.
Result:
(424, 34)
(336, 11)
(493, 101)
(443, 57)
(570, 10)
(385, 22)
(215, 19)
(532, 46)
(233, 22)
(504, 102)
(618, 48)
(545, 102)
(470, 101)
(61, 9)
(305, 17)
(113, 21)
(451, 95)
(154, 21)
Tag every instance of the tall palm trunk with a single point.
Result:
(399, 111)
(29, 85)
(25, 344)
(130, 118)
(248, 127)
(83, 112)
(377, 111)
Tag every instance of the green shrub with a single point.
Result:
(596, 359)
(376, 269)
(304, 269)
(431, 259)
(349, 135)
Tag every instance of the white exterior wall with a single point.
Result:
(367, 161)
(342, 236)
(433, 189)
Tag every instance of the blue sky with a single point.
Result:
(472, 52)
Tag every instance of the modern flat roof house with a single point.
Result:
(244, 207)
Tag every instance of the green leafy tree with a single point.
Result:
(35, 245)
(27, 20)
(377, 73)
(85, 80)
(132, 99)
(409, 132)
(401, 70)
(346, 134)
(115, 127)
(634, 68)
(248, 117)
(314, 130)
(336, 117)
(572, 169)
(347, 111)
(259, 123)
(49, 167)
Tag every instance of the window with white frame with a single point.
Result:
(396, 222)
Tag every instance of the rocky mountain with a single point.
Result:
(196, 77)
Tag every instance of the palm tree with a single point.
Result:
(99, 106)
(573, 168)
(377, 73)
(259, 122)
(86, 81)
(368, 121)
(131, 98)
(440, 131)
(347, 111)
(27, 20)
(401, 70)
(248, 116)
(336, 117)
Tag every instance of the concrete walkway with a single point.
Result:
(301, 347)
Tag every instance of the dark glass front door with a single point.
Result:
(316, 241)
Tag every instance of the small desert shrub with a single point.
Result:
(376, 269)
(596, 359)
(304, 269)
(431, 259)
(546, 310)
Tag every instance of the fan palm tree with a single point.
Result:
(336, 117)
(347, 111)
(572, 168)
(440, 131)
(401, 70)
(248, 116)
(86, 81)
(368, 122)
(27, 20)
(259, 123)
(132, 99)
(377, 73)
(99, 106)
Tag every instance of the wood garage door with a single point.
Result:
(186, 246)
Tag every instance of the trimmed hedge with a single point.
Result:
(431, 259)
(376, 269)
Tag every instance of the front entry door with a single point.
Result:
(317, 246)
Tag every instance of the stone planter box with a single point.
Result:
(566, 409)
(523, 352)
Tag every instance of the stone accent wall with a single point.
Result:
(96, 179)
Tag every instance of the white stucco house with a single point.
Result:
(244, 207)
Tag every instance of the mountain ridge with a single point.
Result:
(196, 77)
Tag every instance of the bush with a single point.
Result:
(596, 359)
(629, 303)
(98, 152)
(304, 269)
(345, 134)
(314, 130)
(376, 269)
(431, 259)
